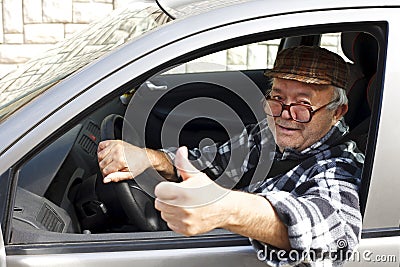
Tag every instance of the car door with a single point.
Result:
(219, 248)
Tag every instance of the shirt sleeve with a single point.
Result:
(228, 162)
(322, 216)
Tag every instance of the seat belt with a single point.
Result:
(280, 167)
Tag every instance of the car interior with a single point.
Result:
(60, 190)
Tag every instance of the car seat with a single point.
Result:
(362, 49)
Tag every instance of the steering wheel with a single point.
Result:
(136, 203)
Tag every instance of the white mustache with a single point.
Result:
(286, 125)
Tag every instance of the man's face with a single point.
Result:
(291, 134)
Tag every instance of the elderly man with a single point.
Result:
(311, 208)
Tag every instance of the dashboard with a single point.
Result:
(54, 186)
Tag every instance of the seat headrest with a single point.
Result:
(365, 51)
(347, 43)
(362, 49)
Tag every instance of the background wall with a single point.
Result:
(28, 27)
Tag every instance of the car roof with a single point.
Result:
(185, 8)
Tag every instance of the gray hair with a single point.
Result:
(341, 96)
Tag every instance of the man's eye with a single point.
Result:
(276, 97)
(305, 103)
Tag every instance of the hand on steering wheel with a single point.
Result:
(112, 155)
(136, 203)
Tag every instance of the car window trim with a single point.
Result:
(381, 232)
(221, 238)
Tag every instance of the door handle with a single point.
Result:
(152, 87)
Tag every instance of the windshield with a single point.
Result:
(183, 8)
(65, 58)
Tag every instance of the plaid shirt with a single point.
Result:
(317, 200)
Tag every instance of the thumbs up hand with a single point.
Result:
(182, 163)
(198, 205)
(194, 206)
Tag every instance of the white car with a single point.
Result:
(146, 64)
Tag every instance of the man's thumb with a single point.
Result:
(183, 165)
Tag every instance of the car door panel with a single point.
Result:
(222, 256)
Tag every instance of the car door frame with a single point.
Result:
(123, 76)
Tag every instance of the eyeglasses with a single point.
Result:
(298, 112)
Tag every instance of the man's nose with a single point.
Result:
(286, 114)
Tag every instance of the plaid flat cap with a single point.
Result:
(310, 64)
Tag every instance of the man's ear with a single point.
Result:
(340, 112)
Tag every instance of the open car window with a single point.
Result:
(255, 56)
(60, 195)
